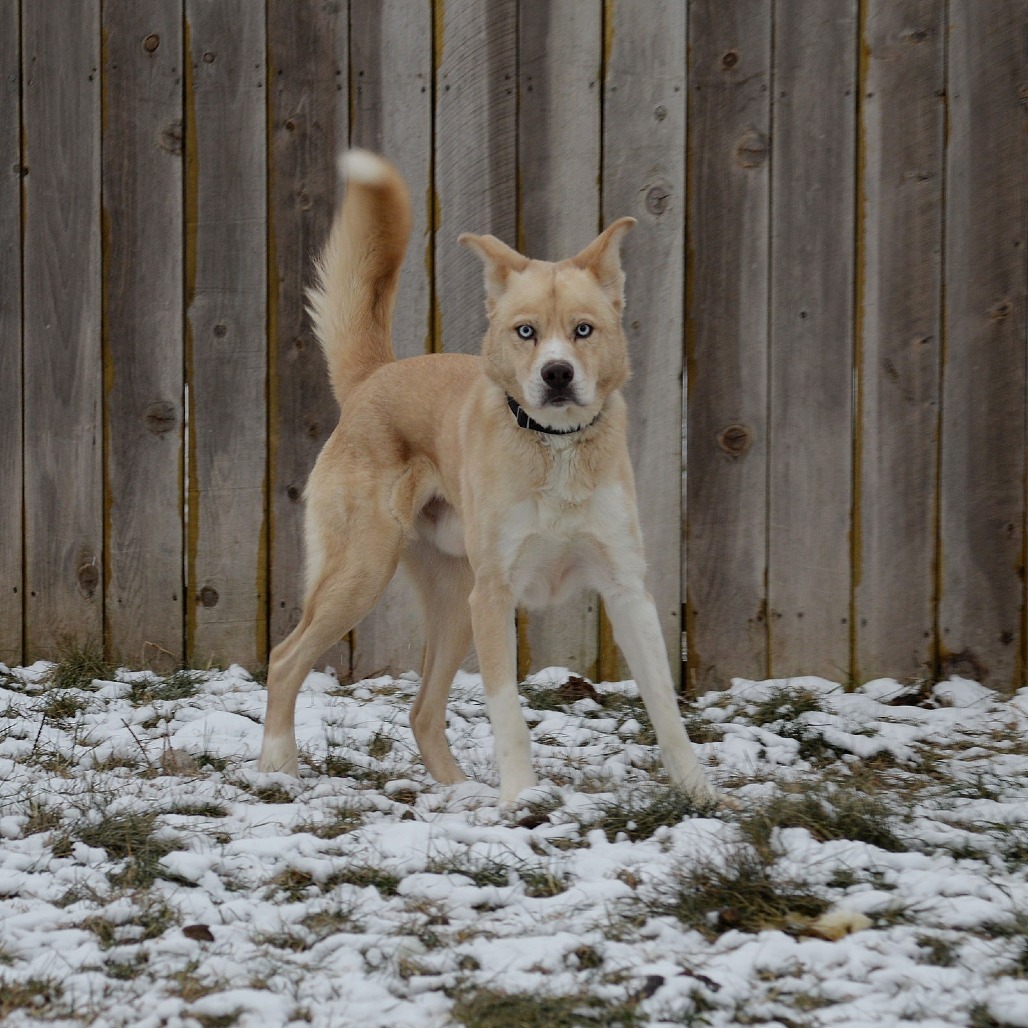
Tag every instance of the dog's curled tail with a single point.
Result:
(351, 302)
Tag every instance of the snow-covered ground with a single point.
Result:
(150, 875)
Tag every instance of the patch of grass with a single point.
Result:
(126, 970)
(495, 1008)
(380, 745)
(63, 705)
(937, 951)
(839, 813)
(42, 818)
(742, 893)
(38, 995)
(483, 873)
(785, 704)
(293, 884)
(130, 837)
(343, 821)
(363, 875)
(272, 794)
(179, 685)
(639, 816)
(541, 884)
(79, 666)
(200, 808)
(324, 923)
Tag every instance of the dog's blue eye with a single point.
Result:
(584, 330)
(525, 332)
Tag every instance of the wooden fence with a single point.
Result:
(827, 295)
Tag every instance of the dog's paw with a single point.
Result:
(279, 755)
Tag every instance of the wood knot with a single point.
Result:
(751, 149)
(160, 417)
(170, 139)
(658, 197)
(208, 596)
(730, 60)
(735, 440)
(89, 576)
(151, 42)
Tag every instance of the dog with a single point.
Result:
(496, 480)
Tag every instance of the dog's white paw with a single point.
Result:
(279, 755)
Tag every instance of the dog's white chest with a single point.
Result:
(552, 548)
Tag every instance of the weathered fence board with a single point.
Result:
(143, 329)
(62, 358)
(812, 265)
(12, 552)
(644, 175)
(559, 119)
(308, 125)
(899, 335)
(475, 156)
(981, 607)
(227, 347)
(392, 78)
(727, 339)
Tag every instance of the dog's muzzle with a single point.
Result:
(558, 377)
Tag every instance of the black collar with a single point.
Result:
(524, 421)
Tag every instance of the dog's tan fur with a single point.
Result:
(428, 466)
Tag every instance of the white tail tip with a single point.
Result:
(363, 167)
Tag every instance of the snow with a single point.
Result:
(364, 894)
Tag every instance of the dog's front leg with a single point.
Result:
(637, 631)
(492, 621)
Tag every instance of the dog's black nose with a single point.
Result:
(557, 374)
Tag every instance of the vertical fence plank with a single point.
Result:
(143, 329)
(10, 333)
(227, 351)
(475, 155)
(307, 44)
(644, 175)
(62, 361)
(727, 339)
(559, 117)
(899, 340)
(392, 79)
(981, 609)
(812, 264)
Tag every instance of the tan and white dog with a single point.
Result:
(497, 480)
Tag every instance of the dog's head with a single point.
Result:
(554, 341)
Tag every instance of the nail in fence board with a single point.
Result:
(308, 118)
(729, 168)
(62, 360)
(899, 345)
(143, 333)
(644, 175)
(11, 553)
(982, 603)
(391, 75)
(811, 372)
(227, 351)
(475, 156)
(559, 118)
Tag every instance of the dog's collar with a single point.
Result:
(524, 421)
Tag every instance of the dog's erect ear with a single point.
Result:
(499, 260)
(603, 258)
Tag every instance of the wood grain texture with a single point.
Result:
(62, 359)
(644, 175)
(391, 75)
(900, 336)
(227, 347)
(475, 156)
(729, 165)
(811, 372)
(143, 330)
(982, 603)
(11, 554)
(308, 124)
(559, 142)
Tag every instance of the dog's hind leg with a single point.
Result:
(443, 585)
(349, 582)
